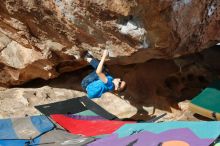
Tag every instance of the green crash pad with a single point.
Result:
(208, 101)
(86, 113)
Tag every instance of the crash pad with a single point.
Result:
(55, 137)
(202, 129)
(182, 135)
(24, 128)
(87, 127)
(73, 106)
(207, 102)
(86, 115)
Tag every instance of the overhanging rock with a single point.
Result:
(41, 39)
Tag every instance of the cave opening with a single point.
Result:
(157, 83)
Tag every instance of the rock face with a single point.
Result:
(41, 39)
(19, 102)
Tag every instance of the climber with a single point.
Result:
(99, 81)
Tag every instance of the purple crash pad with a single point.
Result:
(151, 139)
(82, 117)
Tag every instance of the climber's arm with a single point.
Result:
(99, 72)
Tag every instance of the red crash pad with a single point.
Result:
(88, 127)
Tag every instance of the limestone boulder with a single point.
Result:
(20, 102)
(42, 39)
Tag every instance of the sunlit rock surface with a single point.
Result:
(20, 102)
(42, 39)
